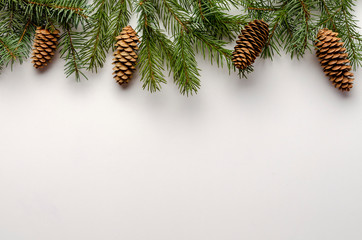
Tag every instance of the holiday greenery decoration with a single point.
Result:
(125, 56)
(173, 32)
(250, 44)
(333, 58)
(45, 44)
(89, 30)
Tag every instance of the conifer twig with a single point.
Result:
(75, 10)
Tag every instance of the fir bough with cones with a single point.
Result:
(172, 33)
(125, 56)
(28, 28)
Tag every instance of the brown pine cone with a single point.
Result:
(125, 56)
(334, 59)
(250, 44)
(44, 47)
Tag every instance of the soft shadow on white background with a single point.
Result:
(276, 156)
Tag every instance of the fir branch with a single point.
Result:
(150, 65)
(262, 9)
(173, 15)
(119, 18)
(231, 3)
(185, 71)
(97, 34)
(8, 51)
(300, 26)
(24, 43)
(215, 20)
(354, 39)
(150, 57)
(200, 9)
(215, 48)
(329, 15)
(58, 5)
(306, 19)
(165, 47)
(69, 43)
(24, 32)
(10, 21)
(342, 21)
(270, 47)
(195, 25)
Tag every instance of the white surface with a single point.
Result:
(277, 156)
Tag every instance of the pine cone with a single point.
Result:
(250, 44)
(334, 59)
(125, 57)
(44, 47)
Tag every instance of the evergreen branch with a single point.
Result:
(12, 23)
(233, 3)
(7, 48)
(8, 51)
(73, 54)
(174, 15)
(306, 18)
(68, 44)
(186, 74)
(62, 12)
(355, 57)
(165, 48)
(119, 18)
(200, 9)
(23, 34)
(268, 50)
(214, 20)
(150, 66)
(194, 26)
(347, 28)
(11, 19)
(214, 47)
(262, 9)
(271, 34)
(150, 57)
(298, 26)
(78, 11)
(330, 17)
(97, 34)
(25, 41)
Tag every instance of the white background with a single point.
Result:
(277, 156)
